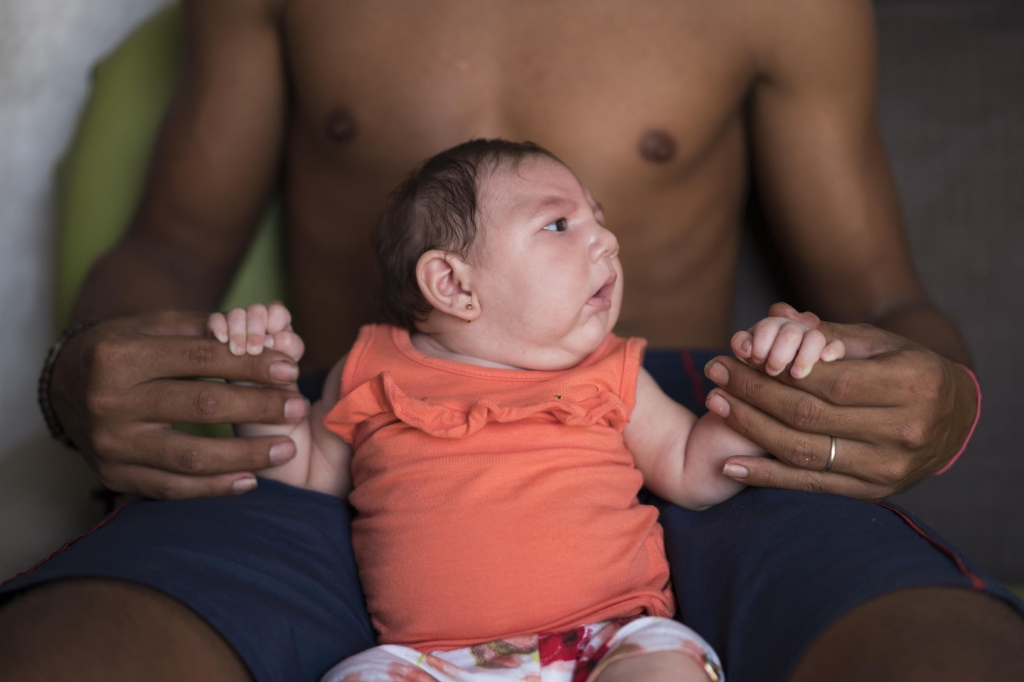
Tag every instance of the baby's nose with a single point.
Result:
(605, 245)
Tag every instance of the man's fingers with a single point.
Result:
(863, 341)
(807, 450)
(808, 319)
(851, 383)
(178, 356)
(161, 447)
(764, 472)
(214, 402)
(169, 323)
(161, 485)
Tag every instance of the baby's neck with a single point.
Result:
(429, 345)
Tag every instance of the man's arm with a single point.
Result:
(829, 193)
(212, 170)
(117, 387)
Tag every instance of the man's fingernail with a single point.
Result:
(281, 452)
(235, 348)
(735, 471)
(244, 485)
(717, 372)
(717, 404)
(284, 371)
(295, 409)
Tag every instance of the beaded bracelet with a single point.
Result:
(52, 423)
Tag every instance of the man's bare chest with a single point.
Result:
(380, 86)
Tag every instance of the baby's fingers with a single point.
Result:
(809, 353)
(236, 331)
(835, 350)
(784, 350)
(255, 328)
(218, 326)
(278, 318)
(287, 342)
(765, 333)
(742, 343)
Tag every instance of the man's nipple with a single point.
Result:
(341, 126)
(657, 146)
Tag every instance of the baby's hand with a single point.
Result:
(250, 330)
(775, 342)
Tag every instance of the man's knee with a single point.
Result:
(933, 634)
(98, 629)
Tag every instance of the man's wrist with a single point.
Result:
(45, 406)
(977, 416)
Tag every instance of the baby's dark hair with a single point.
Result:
(436, 207)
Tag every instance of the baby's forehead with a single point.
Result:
(529, 185)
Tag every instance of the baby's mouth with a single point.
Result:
(602, 300)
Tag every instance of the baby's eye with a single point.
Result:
(560, 225)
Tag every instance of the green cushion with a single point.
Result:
(101, 177)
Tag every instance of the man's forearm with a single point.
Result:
(133, 279)
(927, 325)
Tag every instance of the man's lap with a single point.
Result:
(759, 577)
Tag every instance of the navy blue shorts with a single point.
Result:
(759, 576)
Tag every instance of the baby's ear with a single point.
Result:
(445, 281)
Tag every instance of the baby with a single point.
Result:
(494, 438)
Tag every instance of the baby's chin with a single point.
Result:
(563, 356)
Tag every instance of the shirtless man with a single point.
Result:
(647, 102)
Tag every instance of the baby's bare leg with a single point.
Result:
(657, 666)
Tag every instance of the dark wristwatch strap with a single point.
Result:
(44, 382)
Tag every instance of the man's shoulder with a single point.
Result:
(786, 32)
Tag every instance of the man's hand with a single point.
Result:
(118, 387)
(898, 410)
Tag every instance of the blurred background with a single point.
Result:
(952, 113)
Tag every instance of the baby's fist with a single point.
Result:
(775, 342)
(250, 330)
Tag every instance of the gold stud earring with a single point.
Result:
(469, 306)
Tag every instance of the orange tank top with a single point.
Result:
(495, 503)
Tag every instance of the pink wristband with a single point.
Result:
(970, 433)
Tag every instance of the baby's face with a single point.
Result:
(546, 271)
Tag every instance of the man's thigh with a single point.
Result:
(271, 571)
(107, 630)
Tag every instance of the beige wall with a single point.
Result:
(46, 49)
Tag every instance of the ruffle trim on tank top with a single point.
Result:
(575, 406)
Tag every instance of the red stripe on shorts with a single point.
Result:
(696, 378)
(66, 545)
(977, 582)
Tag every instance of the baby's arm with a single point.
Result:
(680, 456)
(321, 459)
